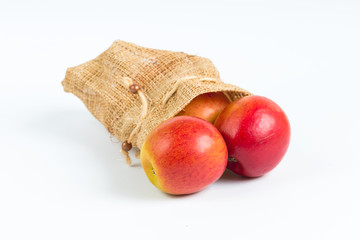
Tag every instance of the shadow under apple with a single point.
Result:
(229, 176)
(88, 145)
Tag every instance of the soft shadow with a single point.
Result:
(183, 195)
(75, 129)
(229, 176)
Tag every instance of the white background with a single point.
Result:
(61, 176)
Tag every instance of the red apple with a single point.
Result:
(257, 134)
(206, 106)
(184, 155)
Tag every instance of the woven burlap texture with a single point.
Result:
(168, 80)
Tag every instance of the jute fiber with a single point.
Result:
(168, 81)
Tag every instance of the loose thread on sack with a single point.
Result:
(227, 96)
(181, 80)
(135, 89)
(127, 157)
(112, 139)
(137, 154)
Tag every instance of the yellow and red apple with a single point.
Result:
(206, 106)
(183, 155)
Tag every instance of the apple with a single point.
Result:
(206, 106)
(257, 134)
(183, 155)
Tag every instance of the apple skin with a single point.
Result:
(183, 155)
(257, 134)
(206, 106)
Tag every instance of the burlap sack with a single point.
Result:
(168, 82)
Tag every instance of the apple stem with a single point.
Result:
(232, 159)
